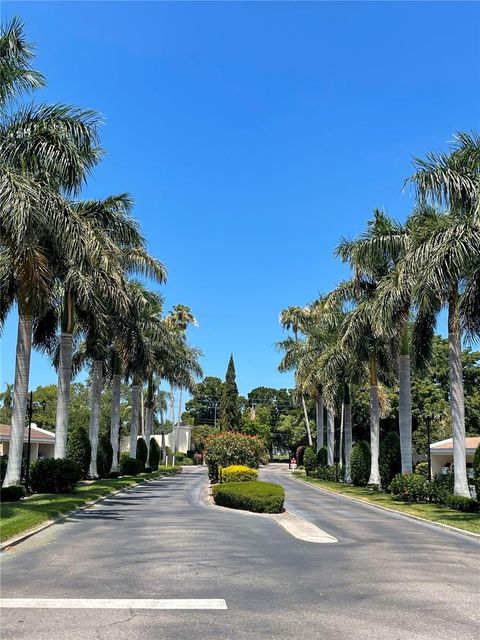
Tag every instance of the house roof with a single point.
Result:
(37, 435)
(446, 446)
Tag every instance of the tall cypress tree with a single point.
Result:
(229, 410)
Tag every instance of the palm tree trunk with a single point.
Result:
(330, 437)
(307, 421)
(20, 393)
(64, 378)
(405, 404)
(348, 433)
(148, 431)
(319, 418)
(97, 375)
(134, 418)
(340, 443)
(115, 419)
(457, 399)
(374, 425)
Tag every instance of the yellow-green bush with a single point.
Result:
(238, 473)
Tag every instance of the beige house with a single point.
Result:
(42, 442)
(442, 455)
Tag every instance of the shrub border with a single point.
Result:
(12, 542)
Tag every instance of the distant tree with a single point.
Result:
(204, 403)
(230, 418)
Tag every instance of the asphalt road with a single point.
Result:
(387, 577)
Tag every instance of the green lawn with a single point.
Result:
(18, 517)
(435, 512)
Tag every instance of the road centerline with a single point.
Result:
(114, 603)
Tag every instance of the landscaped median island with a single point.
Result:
(260, 497)
(433, 512)
(18, 517)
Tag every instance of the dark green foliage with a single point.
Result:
(3, 467)
(329, 473)
(461, 503)
(230, 418)
(104, 456)
(154, 454)
(54, 475)
(225, 449)
(13, 493)
(179, 457)
(360, 464)
(261, 497)
(389, 460)
(130, 466)
(476, 471)
(309, 461)
(322, 457)
(441, 487)
(142, 451)
(410, 487)
(299, 455)
(79, 449)
(113, 474)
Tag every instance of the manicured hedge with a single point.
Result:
(142, 452)
(79, 449)
(360, 464)
(261, 497)
(238, 473)
(460, 503)
(130, 466)
(154, 454)
(227, 448)
(54, 475)
(310, 461)
(476, 471)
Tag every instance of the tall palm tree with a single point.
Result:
(444, 255)
(45, 151)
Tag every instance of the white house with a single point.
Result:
(42, 442)
(442, 455)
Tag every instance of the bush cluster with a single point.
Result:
(142, 452)
(310, 461)
(237, 473)
(322, 457)
(389, 458)
(227, 448)
(104, 455)
(13, 493)
(360, 464)
(460, 503)
(154, 454)
(54, 475)
(261, 497)
(410, 487)
(476, 471)
(130, 466)
(79, 449)
(3, 467)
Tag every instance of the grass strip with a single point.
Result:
(433, 512)
(18, 517)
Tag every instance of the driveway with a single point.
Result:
(386, 578)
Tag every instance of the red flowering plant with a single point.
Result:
(229, 447)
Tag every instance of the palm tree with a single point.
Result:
(444, 265)
(43, 151)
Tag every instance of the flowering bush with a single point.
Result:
(410, 487)
(237, 473)
(228, 448)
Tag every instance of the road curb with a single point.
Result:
(13, 542)
(470, 534)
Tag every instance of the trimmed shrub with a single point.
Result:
(114, 474)
(310, 461)
(476, 471)
(130, 466)
(142, 452)
(410, 487)
(227, 448)
(389, 460)
(360, 464)
(104, 455)
(54, 475)
(328, 473)
(261, 497)
(322, 457)
(13, 493)
(79, 449)
(441, 487)
(154, 454)
(180, 457)
(461, 503)
(238, 473)
(186, 462)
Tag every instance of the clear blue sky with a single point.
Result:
(254, 135)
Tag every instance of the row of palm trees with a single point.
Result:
(375, 326)
(69, 266)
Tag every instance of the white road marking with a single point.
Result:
(90, 603)
(303, 529)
